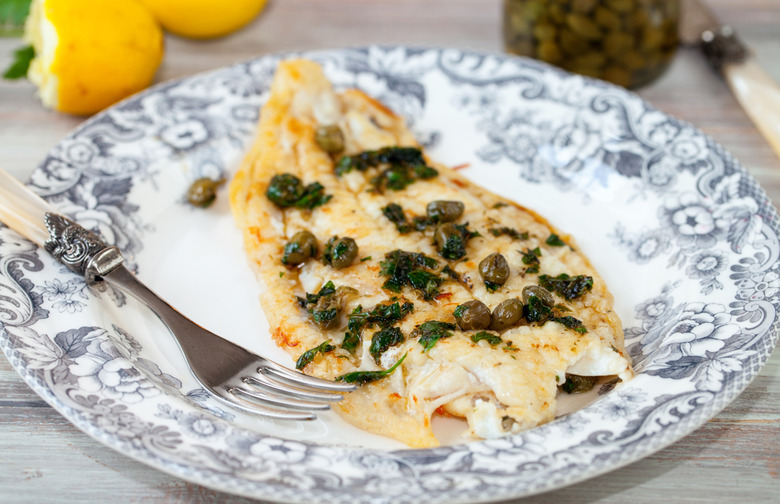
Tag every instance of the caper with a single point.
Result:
(494, 269)
(576, 384)
(444, 211)
(325, 313)
(472, 315)
(450, 241)
(330, 139)
(342, 252)
(301, 247)
(539, 292)
(506, 314)
(285, 190)
(203, 191)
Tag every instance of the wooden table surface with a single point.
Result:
(735, 457)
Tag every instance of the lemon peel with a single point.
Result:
(90, 54)
(203, 19)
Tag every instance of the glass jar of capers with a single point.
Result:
(627, 42)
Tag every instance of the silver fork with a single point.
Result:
(232, 374)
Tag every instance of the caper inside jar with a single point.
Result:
(627, 42)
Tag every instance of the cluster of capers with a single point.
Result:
(448, 237)
(341, 252)
(627, 42)
(474, 315)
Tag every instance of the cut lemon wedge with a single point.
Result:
(90, 54)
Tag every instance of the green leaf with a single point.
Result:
(13, 13)
(555, 241)
(493, 339)
(21, 63)
(363, 377)
(383, 340)
(431, 332)
(310, 354)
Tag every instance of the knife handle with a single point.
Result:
(22, 210)
(759, 95)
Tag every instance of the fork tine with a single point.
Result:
(270, 384)
(301, 380)
(237, 400)
(278, 401)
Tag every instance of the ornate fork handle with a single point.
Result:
(79, 249)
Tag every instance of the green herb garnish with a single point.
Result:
(429, 333)
(363, 377)
(400, 166)
(384, 339)
(571, 323)
(412, 269)
(554, 241)
(396, 215)
(567, 286)
(287, 190)
(309, 355)
(510, 232)
(491, 338)
(537, 311)
(383, 315)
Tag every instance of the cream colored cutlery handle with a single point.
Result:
(22, 210)
(759, 94)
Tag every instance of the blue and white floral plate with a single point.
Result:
(685, 238)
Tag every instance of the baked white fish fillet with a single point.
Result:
(501, 384)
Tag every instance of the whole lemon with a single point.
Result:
(90, 54)
(203, 19)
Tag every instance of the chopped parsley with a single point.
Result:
(287, 191)
(493, 339)
(566, 286)
(309, 355)
(383, 315)
(555, 241)
(413, 269)
(395, 214)
(451, 240)
(538, 312)
(326, 290)
(429, 333)
(324, 306)
(510, 232)
(363, 377)
(400, 166)
(384, 339)
(531, 259)
(571, 323)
